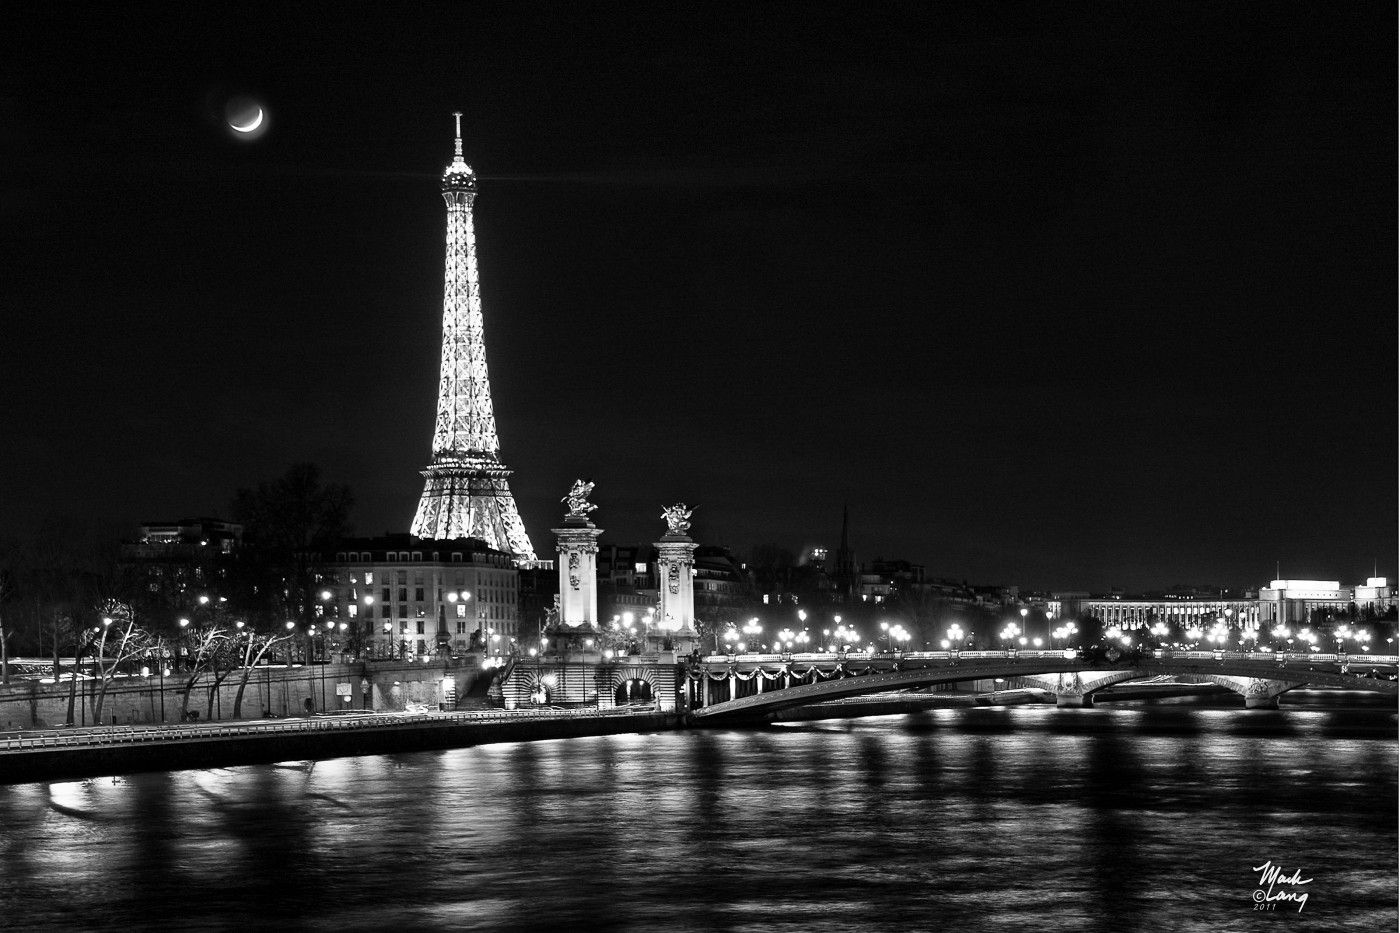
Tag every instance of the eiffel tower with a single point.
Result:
(466, 494)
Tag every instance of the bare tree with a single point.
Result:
(256, 648)
(7, 591)
(119, 642)
(203, 653)
(226, 659)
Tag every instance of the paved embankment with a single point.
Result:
(67, 754)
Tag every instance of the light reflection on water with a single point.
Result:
(1014, 819)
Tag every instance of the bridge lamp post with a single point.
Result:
(367, 627)
(752, 630)
(730, 637)
(183, 654)
(785, 638)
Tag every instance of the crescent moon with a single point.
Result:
(248, 128)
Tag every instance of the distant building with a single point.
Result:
(418, 596)
(626, 580)
(1130, 612)
(176, 562)
(188, 535)
(1287, 602)
(881, 580)
(721, 581)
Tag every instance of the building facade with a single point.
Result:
(408, 596)
(1185, 612)
(177, 562)
(1289, 602)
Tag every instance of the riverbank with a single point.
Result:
(60, 755)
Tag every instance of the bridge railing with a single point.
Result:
(129, 735)
(823, 657)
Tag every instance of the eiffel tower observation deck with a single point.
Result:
(466, 494)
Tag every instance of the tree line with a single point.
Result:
(68, 594)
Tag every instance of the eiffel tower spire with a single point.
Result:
(466, 494)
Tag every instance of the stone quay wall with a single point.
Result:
(328, 740)
(272, 690)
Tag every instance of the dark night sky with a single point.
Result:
(1067, 296)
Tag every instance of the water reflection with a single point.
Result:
(1111, 820)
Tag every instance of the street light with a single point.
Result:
(752, 630)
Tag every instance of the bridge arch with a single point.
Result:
(1258, 693)
(633, 685)
(1076, 688)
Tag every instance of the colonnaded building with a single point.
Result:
(1284, 602)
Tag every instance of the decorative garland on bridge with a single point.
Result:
(839, 671)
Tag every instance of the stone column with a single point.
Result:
(578, 572)
(675, 565)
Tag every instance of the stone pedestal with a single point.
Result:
(578, 572)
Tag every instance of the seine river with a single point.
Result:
(1020, 819)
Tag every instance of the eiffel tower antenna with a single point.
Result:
(466, 493)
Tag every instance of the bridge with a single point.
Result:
(747, 687)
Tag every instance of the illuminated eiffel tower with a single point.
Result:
(466, 494)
